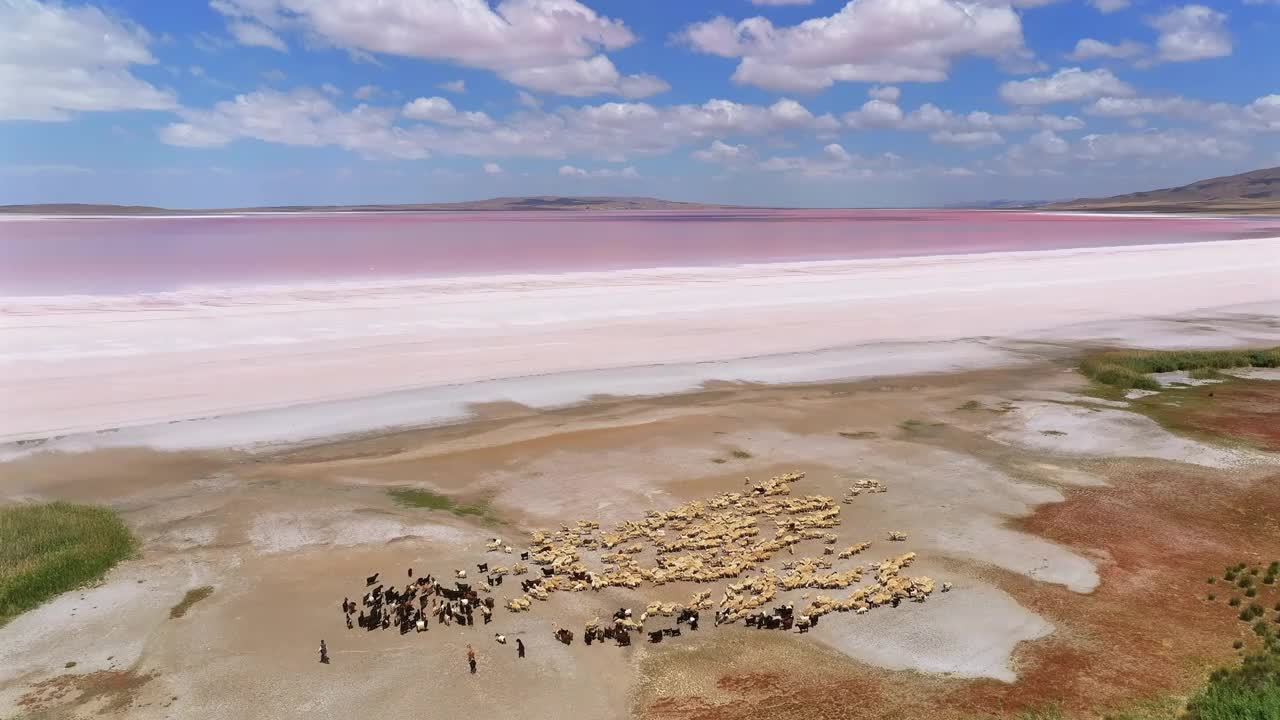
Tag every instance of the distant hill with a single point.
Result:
(1256, 191)
(540, 202)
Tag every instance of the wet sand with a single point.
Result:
(284, 533)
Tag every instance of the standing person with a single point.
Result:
(324, 653)
(471, 658)
(519, 647)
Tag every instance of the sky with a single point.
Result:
(818, 103)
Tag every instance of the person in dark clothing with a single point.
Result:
(519, 647)
(324, 653)
(471, 659)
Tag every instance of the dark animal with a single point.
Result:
(482, 567)
(371, 580)
(655, 636)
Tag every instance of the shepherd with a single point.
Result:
(471, 658)
(519, 648)
(324, 653)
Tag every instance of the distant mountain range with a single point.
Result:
(540, 202)
(1255, 191)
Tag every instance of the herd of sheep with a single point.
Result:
(725, 537)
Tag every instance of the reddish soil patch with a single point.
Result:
(1246, 409)
(1158, 532)
(1149, 629)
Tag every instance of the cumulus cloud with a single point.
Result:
(834, 162)
(1260, 115)
(302, 117)
(439, 110)
(1066, 85)
(57, 60)
(866, 41)
(550, 45)
(602, 173)
(1164, 144)
(875, 114)
(974, 128)
(492, 168)
(1191, 32)
(612, 131)
(724, 153)
(1088, 49)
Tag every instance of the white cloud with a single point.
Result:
(602, 173)
(1261, 115)
(528, 100)
(274, 75)
(301, 117)
(1106, 7)
(834, 162)
(958, 172)
(887, 93)
(1191, 32)
(439, 110)
(57, 60)
(454, 86)
(1162, 144)
(875, 114)
(724, 153)
(959, 129)
(1048, 142)
(253, 34)
(970, 138)
(593, 76)
(867, 40)
(1088, 48)
(549, 45)
(612, 132)
(330, 89)
(367, 92)
(1066, 85)
(492, 168)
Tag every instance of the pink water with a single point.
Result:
(57, 256)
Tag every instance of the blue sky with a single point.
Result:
(188, 103)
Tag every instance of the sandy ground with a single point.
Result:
(283, 535)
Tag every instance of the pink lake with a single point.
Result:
(58, 256)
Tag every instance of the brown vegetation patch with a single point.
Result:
(106, 691)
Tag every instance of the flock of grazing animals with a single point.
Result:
(725, 537)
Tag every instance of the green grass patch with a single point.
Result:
(741, 454)
(419, 498)
(191, 598)
(49, 548)
(1248, 692)
(971, 405)
(719, 461)
(1052, 433)
(1131, 369)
